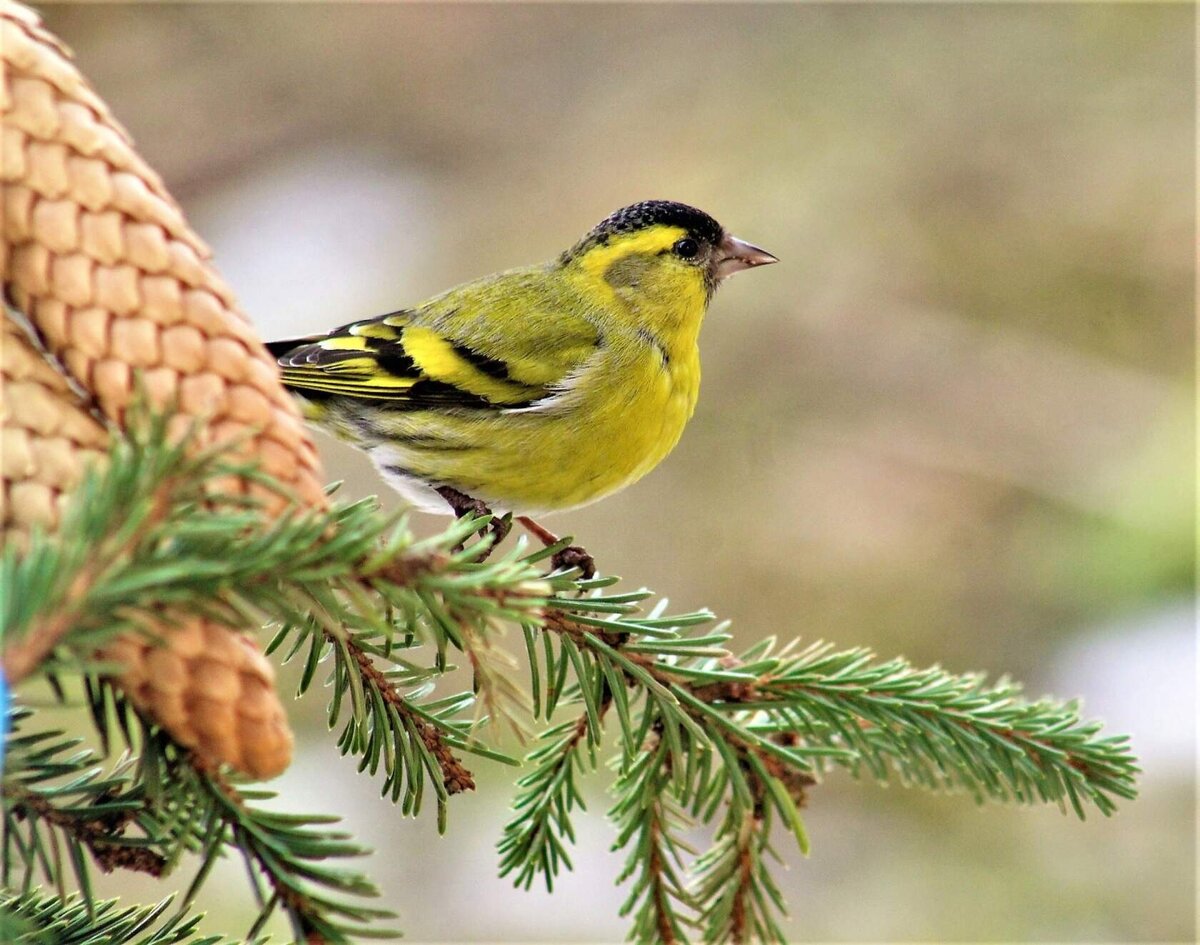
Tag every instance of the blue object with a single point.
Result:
(3, 719)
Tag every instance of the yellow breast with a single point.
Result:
(624, 415)
(627, 436)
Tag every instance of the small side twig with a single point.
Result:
(101, 835)
(455, 776)
(230, 804)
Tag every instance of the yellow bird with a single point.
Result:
(537, 389)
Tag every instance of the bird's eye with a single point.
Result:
(686, 248)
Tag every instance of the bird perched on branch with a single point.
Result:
(537, 389)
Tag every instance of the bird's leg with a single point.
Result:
(462, 504)
(570, 557)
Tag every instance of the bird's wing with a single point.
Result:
(512, 349)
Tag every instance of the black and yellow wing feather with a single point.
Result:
(438, 357)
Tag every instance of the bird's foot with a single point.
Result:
(575, 557)
(462, 504)
(499, 528)
(565, 558)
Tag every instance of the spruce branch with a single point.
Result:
(733, 882)
(705, 737)
(337, 572)
(59, 579)
(56, 797)
(455, 777)
(737, 891)
(288, 851)
(933, 728)
(649, 821)
(775, 721)
(32, 918)
(940, 730)
(434, 596)
(331, 573)
(180, 803)
(534, 840)
(386, 723)
(677, 771)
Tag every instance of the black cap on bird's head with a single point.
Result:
(639, 216)
(707, 243)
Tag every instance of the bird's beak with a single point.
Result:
(734, 255)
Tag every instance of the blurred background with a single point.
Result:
(955, 423)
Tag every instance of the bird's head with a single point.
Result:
(662, 254)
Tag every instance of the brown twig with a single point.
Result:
(662, 909)
(101, 835)
(401, 571)
(723, 692)
(455, 776)
(713, 693)
(292, 900)
(739, 913)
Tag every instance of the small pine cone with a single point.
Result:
(98, 256)
(213, 690)
(47, 438)
(206, 684)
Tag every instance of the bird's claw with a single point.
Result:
(499, 528)
(574, 557)
(462, 504)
